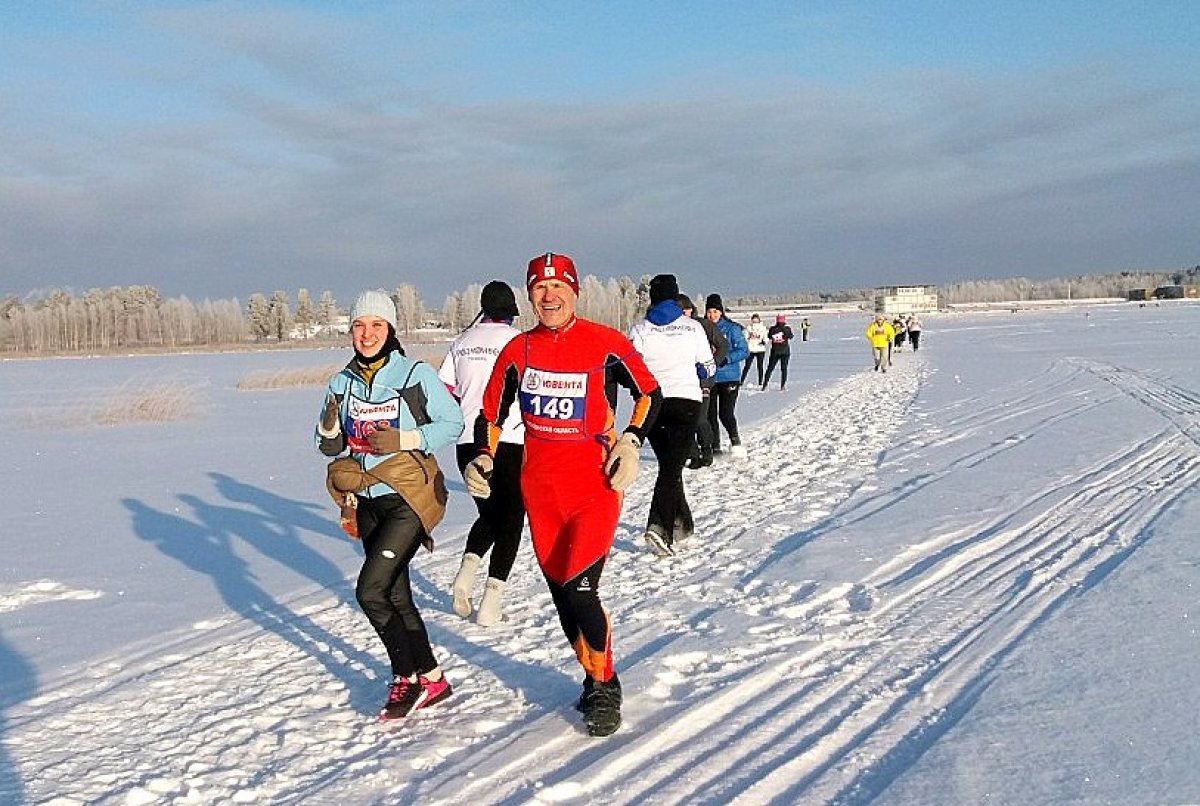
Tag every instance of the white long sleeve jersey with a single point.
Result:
(672, 351)
(466, 369)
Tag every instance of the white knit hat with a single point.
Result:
(374, 303)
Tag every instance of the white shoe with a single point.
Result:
(738, 451)
(658, 544)
(490, 611)
(464, 584)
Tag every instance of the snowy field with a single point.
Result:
(971, 580)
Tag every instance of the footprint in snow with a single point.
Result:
(861, 598)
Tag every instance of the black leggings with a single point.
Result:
(782, 360)
(502, 514)
(757, 357)
(391, 533)
(721, 408)
(579, 610)
(702, 442)
(670, 438)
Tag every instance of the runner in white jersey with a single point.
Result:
(676, 349)
(466, 370)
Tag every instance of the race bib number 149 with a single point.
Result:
(553, 403)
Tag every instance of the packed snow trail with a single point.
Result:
(745, 681)
(310, 733)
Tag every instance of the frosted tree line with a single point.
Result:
(1115, 285)
(138, 317)
(1096, 286)
(615, 302)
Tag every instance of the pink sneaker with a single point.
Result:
(403, 699)
(432, 691)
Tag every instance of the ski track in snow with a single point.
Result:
(881, 666)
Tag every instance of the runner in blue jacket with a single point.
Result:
(391, 413)
(728, 377)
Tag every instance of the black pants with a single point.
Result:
(782, 360)
(670, 439)
(758, 357)
(721, 409)
(703, 443)
(391, 533)
(502, 514)
(915, 337)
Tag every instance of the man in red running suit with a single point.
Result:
(563, 374)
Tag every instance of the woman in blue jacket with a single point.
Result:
(391, 412)
(728, 378)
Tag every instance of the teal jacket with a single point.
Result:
(407, 394)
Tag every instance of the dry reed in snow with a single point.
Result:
(288, 378)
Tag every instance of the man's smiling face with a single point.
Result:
(553, 302)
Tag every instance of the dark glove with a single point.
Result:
(331, 423)
(386, 439)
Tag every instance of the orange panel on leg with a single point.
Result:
(597, 663)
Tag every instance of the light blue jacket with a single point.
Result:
(739, 351)
(400, 389)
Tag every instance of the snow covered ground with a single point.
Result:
(971, 580)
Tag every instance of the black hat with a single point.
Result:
(714, 301)
(685, 302)
(663, 287)
(498, 301)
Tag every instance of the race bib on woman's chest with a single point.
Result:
(553, 404)
(364, 419)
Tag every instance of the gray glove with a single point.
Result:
(477, 474)
(621, 467)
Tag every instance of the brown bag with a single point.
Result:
(415, 475)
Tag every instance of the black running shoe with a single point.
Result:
(685, 527)
(602, 707)
(581, 705)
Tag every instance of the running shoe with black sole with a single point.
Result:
(403, 699)
(602, 707)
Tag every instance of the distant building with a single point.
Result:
(1169, 292)
(1139, 294)
(904, 299)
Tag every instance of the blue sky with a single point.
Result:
(217, 149)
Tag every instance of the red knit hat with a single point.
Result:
(552, 266)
